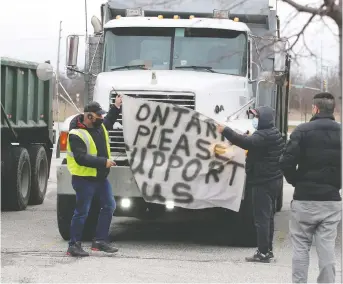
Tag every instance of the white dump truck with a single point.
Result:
(218, 59)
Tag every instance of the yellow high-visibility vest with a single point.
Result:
(73, 167)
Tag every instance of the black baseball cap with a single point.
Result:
(94, 107)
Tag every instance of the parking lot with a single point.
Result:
(150, 251)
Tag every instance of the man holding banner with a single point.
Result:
(89, 162)
(263, 174)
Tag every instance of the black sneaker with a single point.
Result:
(103, 246)
(76, 250)
(270, 254)
(258, 257)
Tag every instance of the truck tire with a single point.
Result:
(17, 180)
(39, 174)
(65, 211)
(279, 200)
(244, 227)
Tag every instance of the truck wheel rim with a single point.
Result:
(41, 175)
(25, 179)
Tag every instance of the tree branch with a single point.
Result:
(327, 26)
(329, 8)
(330, 5)
(302, 31)
(307, 47)
(302, 8)
(290, 19)
(237, 4)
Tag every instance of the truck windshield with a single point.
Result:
(138, 46)
(222, 51)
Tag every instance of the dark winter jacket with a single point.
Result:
(78, 147)
(312, 159)
(111, 117)
(264, 147)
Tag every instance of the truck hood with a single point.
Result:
(166, 80)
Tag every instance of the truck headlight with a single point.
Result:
(170, 205)
(125, 203)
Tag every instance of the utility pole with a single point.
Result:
(86, 16)
(321, 65)
(57, 75)
(86, 76)
(326, 79)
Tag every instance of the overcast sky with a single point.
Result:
(29, 30)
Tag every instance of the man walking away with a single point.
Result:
(312, 164)
(89, 160)
(264, 176)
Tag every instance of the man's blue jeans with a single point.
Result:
(85, 191)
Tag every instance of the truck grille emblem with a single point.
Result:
(153, 78)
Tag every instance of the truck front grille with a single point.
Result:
(185, 99)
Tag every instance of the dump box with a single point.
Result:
(26, 134)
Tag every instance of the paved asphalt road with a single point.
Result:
(33, 251)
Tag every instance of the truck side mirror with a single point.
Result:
(250, 64)
(253, 80)
(72, 50)
(249, 60)
(280, 51)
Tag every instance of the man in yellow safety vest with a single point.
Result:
(89, 162)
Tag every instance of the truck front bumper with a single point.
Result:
(121, 179)
(129, 200)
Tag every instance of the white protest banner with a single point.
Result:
(177, 155)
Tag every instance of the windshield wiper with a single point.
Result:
(207, 68)
(129, 67)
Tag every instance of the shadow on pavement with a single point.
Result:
(196, 231)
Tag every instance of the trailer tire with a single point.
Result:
(39, 174)
(244, 230)
(65, 212)
(17, 182)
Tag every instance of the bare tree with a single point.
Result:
(328, 8)
(302, 91)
